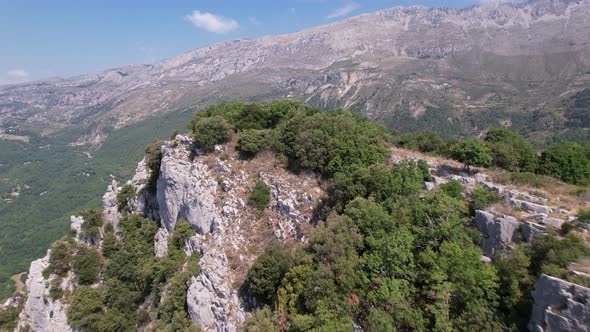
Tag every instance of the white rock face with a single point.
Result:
(40, 312)
(212, 303)
(185, 190)
(161, 243)
(211, 199)
(111, 205)
(559, 305)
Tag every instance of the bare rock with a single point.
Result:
(498, 233)
(185, 190)
(161, 243)
(212, 303)
(40, 312)
(559, 305)
(530, 207)
(111, 205)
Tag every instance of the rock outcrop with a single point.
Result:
(559, 305)
(40, 312)
(497, 233)
(185, 190)
(210, 193)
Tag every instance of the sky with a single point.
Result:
(47, 38)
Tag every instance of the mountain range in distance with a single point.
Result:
(455, 71)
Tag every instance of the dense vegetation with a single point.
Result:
(386, 254)
(131, 275)
(503, 148)
(393, 257)
(325, 142)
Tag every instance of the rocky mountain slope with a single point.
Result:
(493, 62)
(209, 192)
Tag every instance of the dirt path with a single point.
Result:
(19, 284)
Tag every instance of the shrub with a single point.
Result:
(566, 227)
(126, 193)
(265, 275)
(471, 152)
(252, 141)
(59, 259)
(91, 225)
(209, 131)
(153, 159)
(182, 232)
(55, 291)
(86, 308)
(87, 264)
(424, 168)
(584, 216)
(261, 320)
(260, 196)
(453, 188)
(482, 197)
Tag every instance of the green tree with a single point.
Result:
(471, 152)
(265, 275)
(566, 161)
(453, 189)
(209, 131)
(511, 151)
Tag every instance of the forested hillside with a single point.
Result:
(282, 217)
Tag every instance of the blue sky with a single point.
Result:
(46, 38)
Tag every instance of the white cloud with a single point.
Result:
(17, 73)
(212, 22)
(343, 11)
(14, 76)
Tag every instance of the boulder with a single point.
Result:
(529, 231)
(493, 187)
(531, 207)
(498, 233)
(559, 305)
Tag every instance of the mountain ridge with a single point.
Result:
(378, 63)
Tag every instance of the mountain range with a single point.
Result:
(512, 64)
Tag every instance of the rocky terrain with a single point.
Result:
(497, 60)
(209, 193)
